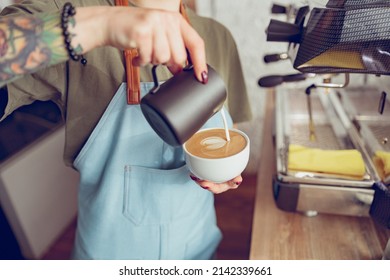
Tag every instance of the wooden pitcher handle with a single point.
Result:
(132, 72)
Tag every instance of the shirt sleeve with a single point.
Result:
(45, 85)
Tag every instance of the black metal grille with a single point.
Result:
(346, 41)
(356, 3)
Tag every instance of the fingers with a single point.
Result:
(196, 49)
(164, 38)
(162, 49)
(144, 42)
(178, 51)
(218, 188)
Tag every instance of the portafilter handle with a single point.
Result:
(278, 9)
(279, 31)
(268, 58)
(275, 80)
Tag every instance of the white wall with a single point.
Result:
(4, 3)
(247, 20)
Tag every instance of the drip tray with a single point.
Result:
(361, 106)
(375, 132)
(311, 192)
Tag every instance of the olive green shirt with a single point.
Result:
(83, 92)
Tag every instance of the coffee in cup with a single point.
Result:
(212, 143)
(209, 155)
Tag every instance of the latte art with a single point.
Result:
(210, 156)
(213, 144)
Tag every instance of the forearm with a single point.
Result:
(31, 42)
(28, 43)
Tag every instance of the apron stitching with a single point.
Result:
(161, 242)
(125, 192)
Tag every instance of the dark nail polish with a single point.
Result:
(205, 77)
(206, 188)
(238, 183)
(194, 178)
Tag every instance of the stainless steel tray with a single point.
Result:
(333, 130)
(363, 101)
(361, 105)
(375, 133)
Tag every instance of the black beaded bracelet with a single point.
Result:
(67, 14)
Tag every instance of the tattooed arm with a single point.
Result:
(30, 42)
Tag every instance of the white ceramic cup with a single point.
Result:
(218, 170)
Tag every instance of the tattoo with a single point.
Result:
(28, 43)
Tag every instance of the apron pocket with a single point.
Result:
(156, 196)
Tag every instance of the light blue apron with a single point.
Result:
(136, 199)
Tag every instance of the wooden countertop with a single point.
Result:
(280, 235)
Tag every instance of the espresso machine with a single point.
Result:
(320, 106)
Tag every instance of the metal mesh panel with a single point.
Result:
(355, 3)
(381, 132)
(325, 137)
(365, 102)
(297, 119)
(298, 104)
(355, 40)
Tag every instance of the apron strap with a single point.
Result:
(132, 72)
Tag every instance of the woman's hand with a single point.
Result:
(217, 188)
(161, 37)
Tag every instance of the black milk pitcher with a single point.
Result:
(179, 107)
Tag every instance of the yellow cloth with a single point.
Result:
(382, 163)
(339, 162)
